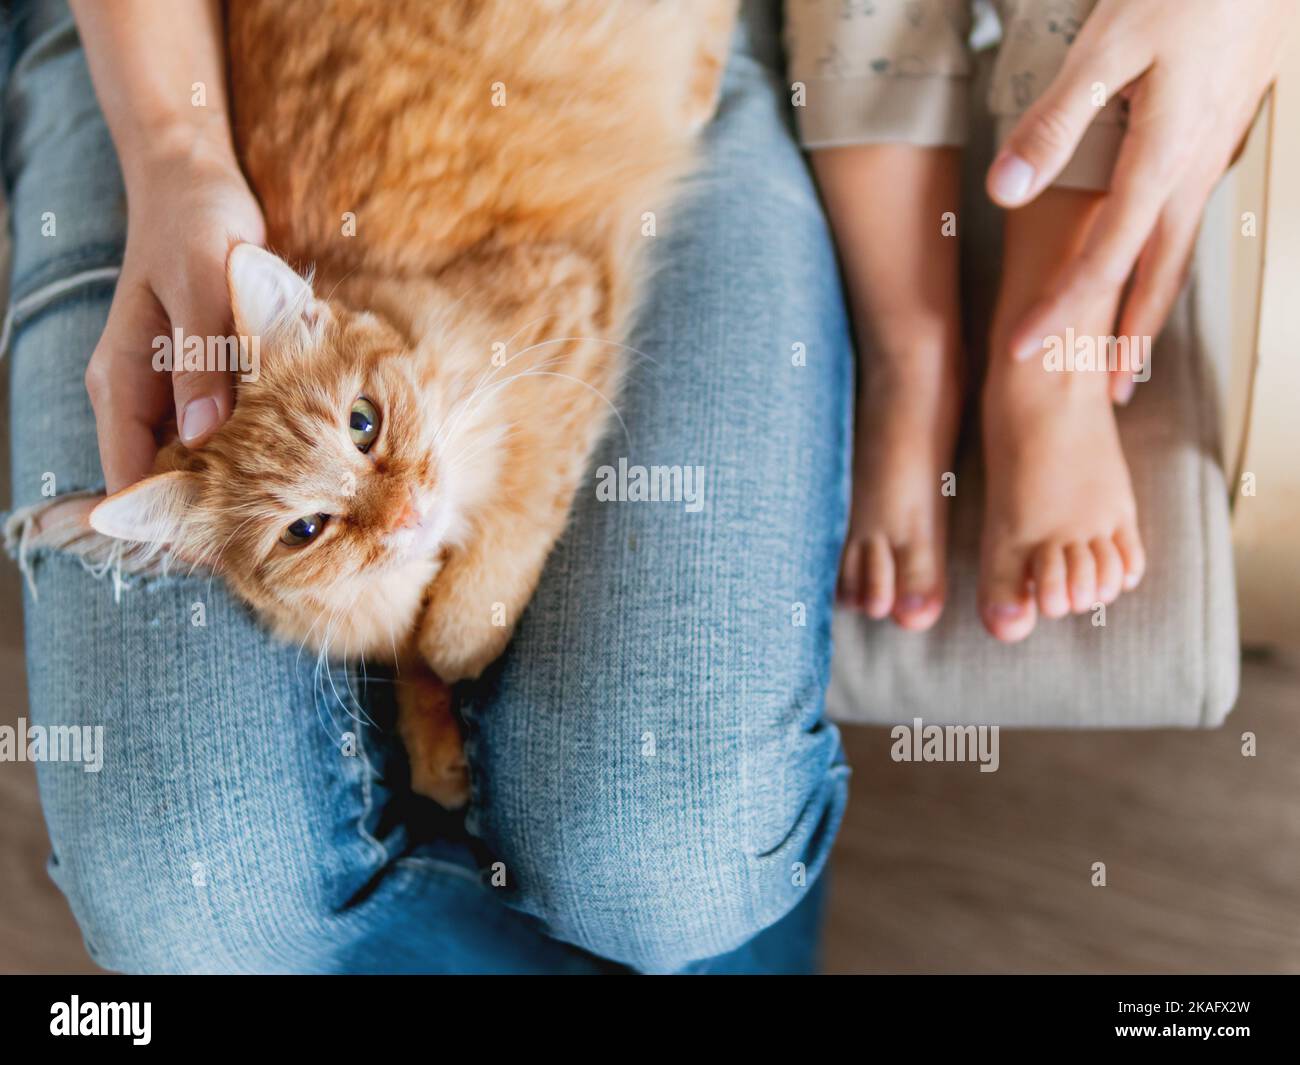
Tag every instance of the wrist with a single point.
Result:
(167, 146)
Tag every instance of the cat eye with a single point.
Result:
(363, 423)
(304, 530)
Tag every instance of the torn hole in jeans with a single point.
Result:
(62, 524)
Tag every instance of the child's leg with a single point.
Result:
(1060, 529)
(887, 205)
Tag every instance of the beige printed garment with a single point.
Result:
(880, 71)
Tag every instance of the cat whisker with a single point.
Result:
(302, 644)
(529, 325)
(578, 381)
(467, 405)
(318, 702)
(360, 716)
(322, 663)
(486, 380)
(587, 340)
(337, 615)
(216, 559)
(340, 281)
(462, 405)
(462, 460)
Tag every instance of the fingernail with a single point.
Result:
(1027, 349)
(200, 418)
(1011, 178)
(1124, 391)
(911, 602)
(1006, 610)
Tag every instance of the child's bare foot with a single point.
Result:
(1060, 525)
(893, 208)
(906, 427)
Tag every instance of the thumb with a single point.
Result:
(1047, 135)
(201, 386)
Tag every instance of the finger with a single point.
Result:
(126, 448)
(1046, 136)
(1150, 165)
(1122, 387)
(125, 412)
(1120, 383)
(1122, 379)
(1162, 269)
(1160, 275)
(204, 396)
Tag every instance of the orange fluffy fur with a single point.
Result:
(468, 179)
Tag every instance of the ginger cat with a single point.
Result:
(468, 180)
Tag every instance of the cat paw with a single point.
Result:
(428, 726)
(461, 651)
(445, 781)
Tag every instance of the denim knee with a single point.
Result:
(223, 829)
(164, 911)
(213, 878)
(683, 839)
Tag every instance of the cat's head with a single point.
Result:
(327, 497)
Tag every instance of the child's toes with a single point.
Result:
(919, 589)
(1110, 569)
(1135, 558)
(1051, 581)
(851, 585)
(878, 594)
(1083, 577)
(1006, 608)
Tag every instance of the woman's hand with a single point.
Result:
(183, 214)
(160, 76)
(1194, 72)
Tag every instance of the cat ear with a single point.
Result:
(151, 511)
(264, 290)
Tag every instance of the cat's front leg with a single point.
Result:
(432, 737)
(476, 601)
(557, 301)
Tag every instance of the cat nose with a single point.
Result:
(408, 516)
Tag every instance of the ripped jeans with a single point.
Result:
(655, 784)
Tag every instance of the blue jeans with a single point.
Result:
(656, 786)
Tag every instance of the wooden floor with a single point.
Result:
(942, 869)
